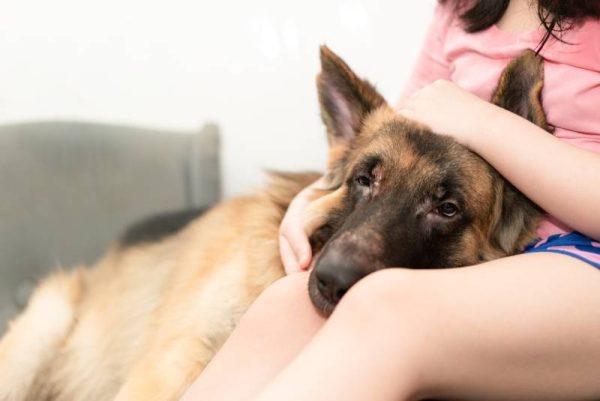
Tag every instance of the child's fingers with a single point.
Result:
(408, 113)
(288, 257)
(294, 248)
(402, 103)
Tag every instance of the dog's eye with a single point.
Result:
(363, 180)
(447, 209)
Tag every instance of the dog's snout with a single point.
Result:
(335, 279)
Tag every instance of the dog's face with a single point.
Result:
(404, 196)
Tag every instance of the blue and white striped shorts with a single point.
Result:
(572, 244)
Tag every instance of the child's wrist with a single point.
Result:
(488, 121)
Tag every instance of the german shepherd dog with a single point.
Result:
(144, 321)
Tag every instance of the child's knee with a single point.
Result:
(288, 289)
(387, 311)
(286, 297)
(383, 293)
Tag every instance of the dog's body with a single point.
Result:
(144, 321)
(149, 314)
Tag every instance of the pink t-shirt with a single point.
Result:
(474, 61)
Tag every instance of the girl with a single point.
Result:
(523, 327)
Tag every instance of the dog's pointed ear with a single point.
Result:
(345, 99)
(520, 88)
(519, 91)
(517, 218)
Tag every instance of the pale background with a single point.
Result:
(249, 66)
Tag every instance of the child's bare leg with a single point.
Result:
(522, 328)
(271, 333)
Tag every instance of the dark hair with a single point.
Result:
(557, 16)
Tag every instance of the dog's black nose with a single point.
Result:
(334, 280)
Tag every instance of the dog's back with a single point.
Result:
(86, 331)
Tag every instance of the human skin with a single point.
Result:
(520, 16)
(524, 327)
(554, 174)
(293, 243)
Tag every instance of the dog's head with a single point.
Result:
(401, 195)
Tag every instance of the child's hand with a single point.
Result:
(294, 247)
(448, 110)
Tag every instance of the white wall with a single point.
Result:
(247, 65)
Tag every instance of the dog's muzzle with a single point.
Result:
(332, 277)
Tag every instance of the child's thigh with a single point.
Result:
(272, 332)
(526, 326)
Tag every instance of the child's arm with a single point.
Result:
(563, 179)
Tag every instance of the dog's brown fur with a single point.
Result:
(144, 321)
(392, 178)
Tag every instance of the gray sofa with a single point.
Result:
(69, 188)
